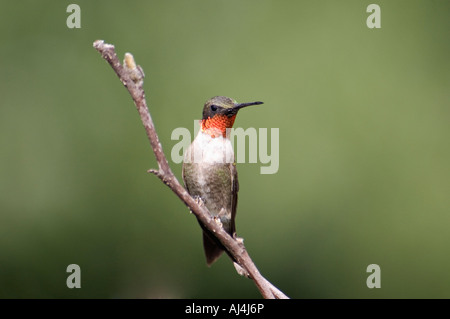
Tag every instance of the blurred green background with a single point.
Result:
(364, 155)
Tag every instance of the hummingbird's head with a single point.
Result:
(219, 114)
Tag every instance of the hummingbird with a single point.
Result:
(209, 169)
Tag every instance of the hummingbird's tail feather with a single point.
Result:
(212, 250)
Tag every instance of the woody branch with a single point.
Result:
(132, 77)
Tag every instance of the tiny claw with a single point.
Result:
(218, 221)
(199, 200)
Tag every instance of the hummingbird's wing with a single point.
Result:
(234, 196)
(213, 248)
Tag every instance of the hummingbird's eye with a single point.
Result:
(213, 108)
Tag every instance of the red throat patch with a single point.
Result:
(217, 125)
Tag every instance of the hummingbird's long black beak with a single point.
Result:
(241, 105)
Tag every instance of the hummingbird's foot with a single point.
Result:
(199, 200)
(241, 271)
(239, 240)
(218, 221)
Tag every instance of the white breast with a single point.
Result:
(206, 149)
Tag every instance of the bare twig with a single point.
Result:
(132, 77)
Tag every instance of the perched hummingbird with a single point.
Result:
(209, 168)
